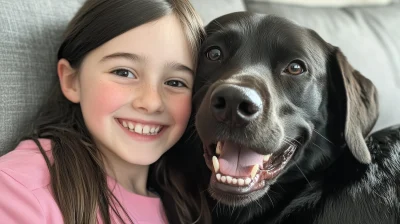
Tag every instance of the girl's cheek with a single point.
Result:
(102, 100)
(181, 107)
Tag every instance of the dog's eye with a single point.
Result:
(214, 54)
(295, 68)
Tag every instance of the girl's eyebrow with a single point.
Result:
(129, 56)
(137, 58)
(179, 67)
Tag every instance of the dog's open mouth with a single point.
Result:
(240, 170)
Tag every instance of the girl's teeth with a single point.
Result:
(146, 129)
(130, 125)
(141, 128)
(138, 128)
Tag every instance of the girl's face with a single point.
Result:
(135, 91)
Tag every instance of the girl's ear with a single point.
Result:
(69, 81)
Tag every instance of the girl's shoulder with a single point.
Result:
(24, 184)
(26, 165)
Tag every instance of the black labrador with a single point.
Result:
(285, 124)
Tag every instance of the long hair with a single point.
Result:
(78, 177)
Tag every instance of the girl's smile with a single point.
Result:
(141, 130)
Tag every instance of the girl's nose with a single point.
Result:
(148, 100)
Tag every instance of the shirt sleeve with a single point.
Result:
(17, 203)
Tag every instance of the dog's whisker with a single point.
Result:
(218, 24)
(288, 142)
(270, 200)
(280, 187)
(318, 146)
(192, 138)
(233, 209)
(257, 201)
(292, 139)
(295, 163)
(323, 136)
(312, 76)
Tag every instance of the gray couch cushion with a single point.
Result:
(329, 3)
(211, 9)
(30, 32)
(368, 36)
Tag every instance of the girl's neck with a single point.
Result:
(132, 177)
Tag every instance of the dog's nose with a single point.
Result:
(235, 105)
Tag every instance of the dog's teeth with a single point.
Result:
(254, 171)
(218, 149)
(223, 179)
(228, 179)
(266, 157)
(234, 181)
(240, 181)
(218, 176)
(247, 181)
(215, 164)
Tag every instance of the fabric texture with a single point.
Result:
(24, 185)
(30, 34)
(329, 3)
(368, 36)
(211, 9)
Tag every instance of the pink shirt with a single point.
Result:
(25, 195)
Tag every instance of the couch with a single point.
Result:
(367, 31)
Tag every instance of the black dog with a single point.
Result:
(284, 121)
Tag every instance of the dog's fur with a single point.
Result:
(339, 173)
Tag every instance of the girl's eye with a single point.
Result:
(124, 73)
(175, 83)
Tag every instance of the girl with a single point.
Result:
(98, 148)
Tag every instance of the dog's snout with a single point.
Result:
(235, 105)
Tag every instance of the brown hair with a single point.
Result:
(78, 177)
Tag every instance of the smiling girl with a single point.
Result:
(98, 148)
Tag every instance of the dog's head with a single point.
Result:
(268, 92)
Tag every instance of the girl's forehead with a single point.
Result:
(156, 41)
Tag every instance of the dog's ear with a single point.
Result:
(360, 106)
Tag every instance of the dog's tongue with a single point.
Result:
(238, 161)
